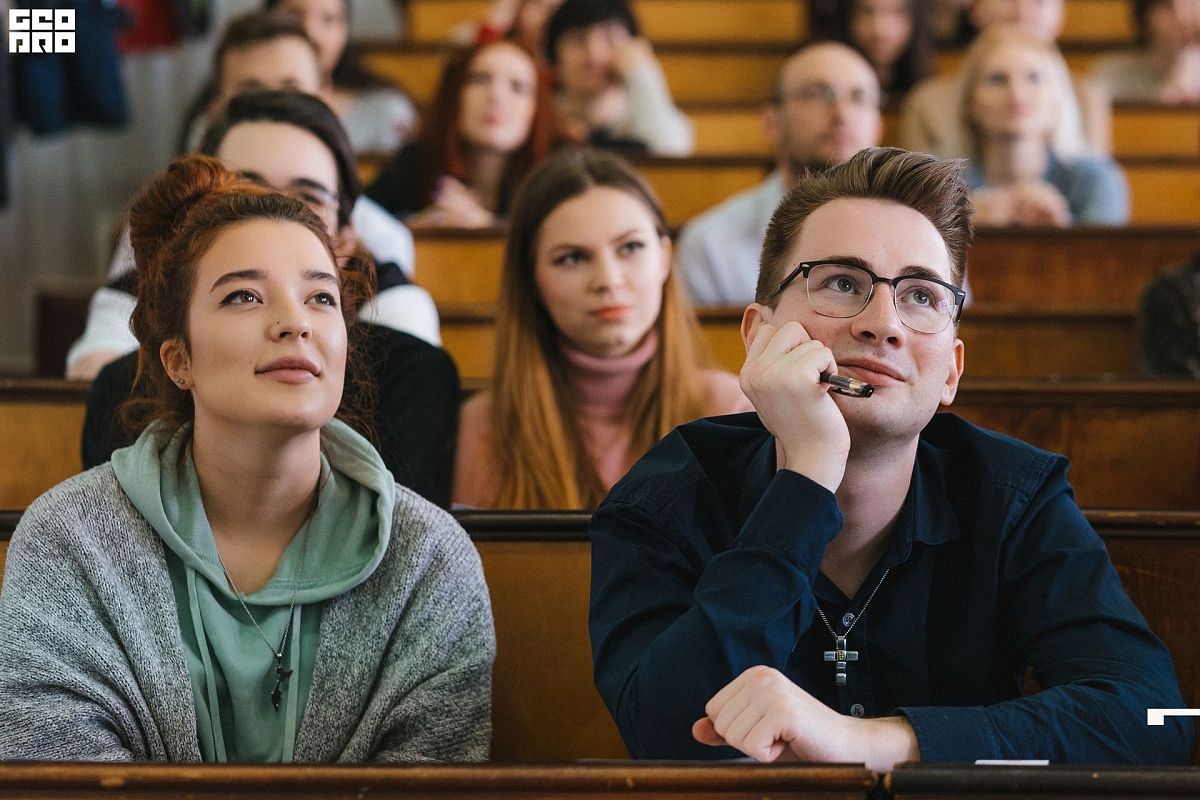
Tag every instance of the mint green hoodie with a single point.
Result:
(232, 668)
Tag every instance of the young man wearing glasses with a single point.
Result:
(838, 578)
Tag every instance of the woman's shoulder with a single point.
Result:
(475, 414)
(79, 496)
(86, 510)
(379, 119)
(475, 483)
(427, 539)
(723, 393)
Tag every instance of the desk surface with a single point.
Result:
(605, 779)
(912, 781)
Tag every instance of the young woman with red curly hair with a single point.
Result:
(246, 582)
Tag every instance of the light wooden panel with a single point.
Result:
(1000, 342)
(418, 70)
(749, 21)
(1037, 268)
(1151, 131)
(41, 447)
(1079, 59)
(1164, 193)
(535, 590)
(1098, 22)
(686, 187)
(729, 131)
(728, 21)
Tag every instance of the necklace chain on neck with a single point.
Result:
(281, 674)
(861, 611)
(842, 654)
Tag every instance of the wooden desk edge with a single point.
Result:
(180, 779)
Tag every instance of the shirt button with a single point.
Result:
(848, 620)
(857, 710)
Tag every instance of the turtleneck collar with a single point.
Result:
(601, 385)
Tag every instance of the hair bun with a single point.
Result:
(164, 204)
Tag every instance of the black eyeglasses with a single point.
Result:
(843, 289)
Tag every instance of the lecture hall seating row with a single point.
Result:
(1133, 444)
(1138, 130)
(1163, 190)
(1105, 22)
(720, 72)
(1037, 268)
(1002, 341)
(1068, 295)
(537, 565)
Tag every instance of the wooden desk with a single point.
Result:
(926, 781)
(422, 782)
(1002, 341)
(1036, 268)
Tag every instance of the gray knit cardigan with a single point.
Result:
(92, 663)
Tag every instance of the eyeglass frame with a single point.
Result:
(805, 267)
(824, 94)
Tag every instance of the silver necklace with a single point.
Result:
(281, 674)
(841, 654)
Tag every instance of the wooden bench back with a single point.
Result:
(1133, 444)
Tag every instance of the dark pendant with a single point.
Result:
(840, 655)
(281, 675)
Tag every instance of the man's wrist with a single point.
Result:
(889, 741)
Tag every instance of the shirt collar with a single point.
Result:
(925, 517)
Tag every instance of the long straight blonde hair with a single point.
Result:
(1066, 140)
(540, 452)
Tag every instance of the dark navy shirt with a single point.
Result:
(706, 561)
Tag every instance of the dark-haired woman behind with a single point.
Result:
(492, 121)
(246, 582)
(893, 35)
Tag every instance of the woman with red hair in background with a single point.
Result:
(492, 121)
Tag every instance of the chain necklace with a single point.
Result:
(281, 674)
(841, 652)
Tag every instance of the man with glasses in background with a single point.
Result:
(854, 578)
(824, 108)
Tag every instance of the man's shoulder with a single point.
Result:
(983, 457)
(710, 452)
(721, 219)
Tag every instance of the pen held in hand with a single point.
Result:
(851, 387)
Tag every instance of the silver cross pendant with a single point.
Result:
(840, 655)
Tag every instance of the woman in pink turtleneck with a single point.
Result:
(598, 354)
